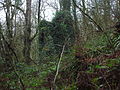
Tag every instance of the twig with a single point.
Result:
(60, 59)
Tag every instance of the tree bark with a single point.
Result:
(65, 5)
(27, 33)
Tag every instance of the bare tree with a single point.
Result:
(27, 33)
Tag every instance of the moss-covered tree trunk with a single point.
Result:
(65, 5)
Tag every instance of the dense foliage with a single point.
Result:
(62, 29)
(79, 49)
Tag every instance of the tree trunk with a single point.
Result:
(78, 38)
(106, 17)
(27, 33)
(8, 22)
(76, 28)
(39, 11)
(65, 5)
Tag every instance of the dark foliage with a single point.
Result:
(62, 29)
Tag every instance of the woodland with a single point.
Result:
(77, 49)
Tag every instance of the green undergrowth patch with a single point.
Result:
(113, 62)
(32, 76)
(96, 42)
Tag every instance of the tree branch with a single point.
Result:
(90, 18)
(4, 5)
(94, 22)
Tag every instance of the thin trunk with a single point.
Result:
(8, 22)
(76, 28)
(39, 11)
(38, 44)
(8, 55)
(78, 39)
(106, 5)
(84, 23)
